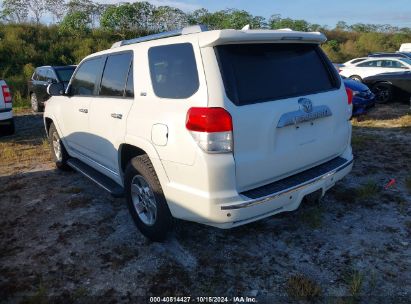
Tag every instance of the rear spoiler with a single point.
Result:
(212, 38)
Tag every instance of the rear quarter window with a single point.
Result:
(173, 70)
(254, 73)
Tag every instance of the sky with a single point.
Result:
(323, 12)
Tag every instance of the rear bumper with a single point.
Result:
(230, 209)
(5, 115)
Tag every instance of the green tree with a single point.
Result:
(76, 23)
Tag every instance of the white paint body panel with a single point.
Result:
(196, 184)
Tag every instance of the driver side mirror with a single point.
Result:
(55, 89)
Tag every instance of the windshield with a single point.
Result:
(65, 74)
(254, 73)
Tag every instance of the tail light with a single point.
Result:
(350, 95)
(6, 93)
(211, 128)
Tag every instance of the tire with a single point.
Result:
(146, 201)
(383, 92)
(58, 151)
(356, 78)
(34, 103)
(8, 129)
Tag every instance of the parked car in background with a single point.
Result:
(201, 133)
(405, 47)
(41, 78)
(392, 54)
(388, 86)
(6, 113)
(363, 98)
(354, 61)
(373, 66)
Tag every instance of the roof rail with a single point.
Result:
(184, 31)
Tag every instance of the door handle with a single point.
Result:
(117, 116)
(83, 111)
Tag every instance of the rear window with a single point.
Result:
(254, 73)
(173, 70)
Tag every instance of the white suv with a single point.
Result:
(218, 127)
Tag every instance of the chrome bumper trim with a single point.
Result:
(267, 198)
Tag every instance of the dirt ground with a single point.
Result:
(63, 239)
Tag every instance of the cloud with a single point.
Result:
(187, 7)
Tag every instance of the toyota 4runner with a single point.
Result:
(219, 127)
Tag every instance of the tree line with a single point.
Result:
(56, 32)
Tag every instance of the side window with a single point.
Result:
(173, 70)
(35, 76)
(395, 64)
(115, 74)
(84, 81)
(130, 82)
(42, 75)
(369, 64)
(50, 75)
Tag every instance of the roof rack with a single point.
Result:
(184, 31)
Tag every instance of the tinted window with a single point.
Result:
(130, 83)
(65, 74)
(173, 70)
(392, 64)
(85, 79)
(42, 74)
(262, 72)
(115, 74)
(50, 75)
(373, 63)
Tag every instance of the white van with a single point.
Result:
(219, 127)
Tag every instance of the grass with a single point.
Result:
(354, 280)
(367, 190)
(312, 216)
(302, 287)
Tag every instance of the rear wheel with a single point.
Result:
(356, 78)
(34, 103)
(383, 92)
(58, 151)
(145, 199)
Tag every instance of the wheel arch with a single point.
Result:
(47, 123)
(133, 147)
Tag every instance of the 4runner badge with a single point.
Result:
(306, 104)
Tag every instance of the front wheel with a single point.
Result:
(58, 151)
(383, 92)
(145, 199)
(34, 103)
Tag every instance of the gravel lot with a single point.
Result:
(63, 239)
